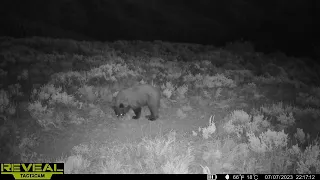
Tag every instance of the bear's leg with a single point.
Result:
(137, 111)
(154, 113)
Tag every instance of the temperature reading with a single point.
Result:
(238, 176)
(252, 176)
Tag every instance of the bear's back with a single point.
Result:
(138, 94)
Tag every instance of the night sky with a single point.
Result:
(289, 26)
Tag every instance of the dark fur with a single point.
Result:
(135, 98)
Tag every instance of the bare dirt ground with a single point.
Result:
(124, 130)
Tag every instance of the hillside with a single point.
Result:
(230, 110)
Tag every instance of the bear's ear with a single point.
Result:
(121, 106)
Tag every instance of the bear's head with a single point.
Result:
(121, 110)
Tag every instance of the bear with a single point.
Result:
(135, 98)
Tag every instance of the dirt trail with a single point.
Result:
(130, 130)
(122, 130)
